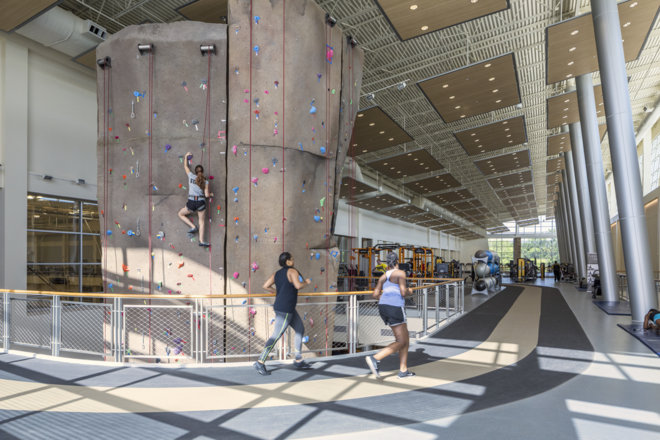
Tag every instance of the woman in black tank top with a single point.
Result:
(287, 282)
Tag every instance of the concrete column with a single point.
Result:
(623, 150)
(584, 200)
(561, 235)
(576, 219)
(597, 187)
(14, 159)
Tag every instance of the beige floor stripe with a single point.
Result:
(515, 336)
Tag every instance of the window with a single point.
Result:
(655, 164)
(63, 245)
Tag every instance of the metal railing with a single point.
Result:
(206, 329)
(623, 287)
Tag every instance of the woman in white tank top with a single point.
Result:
(390, 292)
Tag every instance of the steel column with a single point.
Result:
(573, 223)
(559, 227)
(616, 96)
(597, 188)
(56, 329)
(568, 224)
(584, 201)
(580, 263)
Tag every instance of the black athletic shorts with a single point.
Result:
(392, 315)
(196, 205)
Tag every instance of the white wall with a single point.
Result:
(362, 223)
(47, 126)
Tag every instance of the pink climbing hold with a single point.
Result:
(329, 54)
(254, 180)
(265, 170)
(254, 267)
(252, 311)
(236, 275)
(234, 149)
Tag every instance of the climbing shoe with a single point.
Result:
(404, 374)
(192, 230)
(204, 244)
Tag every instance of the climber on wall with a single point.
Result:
(196, 199)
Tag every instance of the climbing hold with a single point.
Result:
(110, 285)
(318, 77)
(160, 235)
(256, 19)
(322, 202)
(254, 267)
(265, 170)
(234, 148)
(185, 86)
(256, 50)
(236, 275)
(130, 233)
(168, 147)
(254, 180)
(125, 268)
(305, 339)
(256, 114)
(300, 145)
(334, 254)
(317, 256)
(317, 218)
(235, 189)
(256, 101)
(322, 150)
(108, 232)
(329, 53)
(236, 220)
(255, 237)
(300, 278)
(312, 108)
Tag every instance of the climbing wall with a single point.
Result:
(269, 116)
(154, 106)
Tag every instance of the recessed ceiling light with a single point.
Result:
(498, 101)
(626, 24)
(492, 78)
(571, 63)
(496, 90)
(487, 65)
(505, 122)
(575, 32)
(569, 75)
(444, 86)
(633, 4)
(355, 145)
(462, 116)
(457, 107)
(473, 134)
(371, 124)
(360, 115)
(572, 49)
(566, 109)
(364, 151)
(425, 27)
(452, 97)
(507, 129)
(381, 132)
(390, 139)
(413, 7)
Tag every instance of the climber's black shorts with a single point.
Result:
(196, 205)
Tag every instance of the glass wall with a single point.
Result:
(538, 242)
(63, 245)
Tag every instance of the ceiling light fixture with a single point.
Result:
(575, 32)
(413, 7)
(487, 65)
(572, 49)
(424, 27)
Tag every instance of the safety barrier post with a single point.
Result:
(352, 324)
(447, 300)
(5, 321)
(437, 307)
(461, 298)
(117, 329)
(425, 311)
(56, 328)
(197, 331)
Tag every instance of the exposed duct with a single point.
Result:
(63, 31)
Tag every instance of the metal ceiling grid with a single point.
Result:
(389, 61)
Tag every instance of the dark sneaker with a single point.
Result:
(261, 369)
(373, 365)
(302, 365)
(404, 374)
(193, 230)
(204, 244)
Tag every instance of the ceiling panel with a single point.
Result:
(492, 137)
(431, 15)
(466, 205)
(351, 188)
(554, 165)
(562, 142)
(473, 90)
(208, 11)
(571, 44)
(14, 13)
(451, 197)
(514, 192)
(422, 218)
(510, 180)
(504, 163)
(563, 109)
(408, 164)
(378, 202)
(433, 184)
(404, 211)
(375, 130)
(435, 223)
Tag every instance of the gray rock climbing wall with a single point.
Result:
(271, 123)
(154, 109)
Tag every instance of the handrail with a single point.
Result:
(445, 281)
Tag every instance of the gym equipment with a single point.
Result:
(486, 267)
